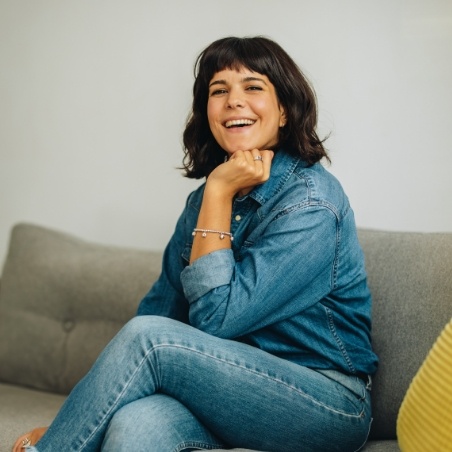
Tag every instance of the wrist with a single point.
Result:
(218, 192)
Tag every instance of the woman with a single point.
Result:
(257, 332)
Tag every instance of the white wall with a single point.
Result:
(94, 95)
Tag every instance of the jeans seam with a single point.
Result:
(197, 444)
(340, 345)
(367, 436)
(205, 354)
(120, 394)
(277, 380)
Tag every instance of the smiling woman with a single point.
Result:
(262, 65)
(243, 110)
(263, 295)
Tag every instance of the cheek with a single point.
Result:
(213, 108)
(261, 107)
(212, 118)
(211, 114)
(267, 110)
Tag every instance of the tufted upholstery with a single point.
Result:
(69, 298)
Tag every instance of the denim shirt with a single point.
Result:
(293, 284)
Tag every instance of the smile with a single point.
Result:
(239, 123)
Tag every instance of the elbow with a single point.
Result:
(212, 324)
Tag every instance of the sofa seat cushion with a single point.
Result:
(23, 409)
(61, 300)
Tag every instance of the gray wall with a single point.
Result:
(94, 95)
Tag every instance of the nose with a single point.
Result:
(235, 99)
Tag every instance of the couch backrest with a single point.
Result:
(62, 299)
(410, 277)
(57, 291)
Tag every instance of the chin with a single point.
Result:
(244, 147)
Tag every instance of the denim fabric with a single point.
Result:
(294, 283)
(261, 341)
(164, 386)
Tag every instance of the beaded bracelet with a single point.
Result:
(213, 231)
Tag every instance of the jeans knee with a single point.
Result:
(118, 431)
(149, 329)
(157, 422)
(143, 324)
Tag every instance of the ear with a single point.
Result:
(283, 118)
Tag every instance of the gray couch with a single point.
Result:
(62, 299)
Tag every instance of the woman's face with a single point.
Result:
(243, 110)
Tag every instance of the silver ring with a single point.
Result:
(26, 442)
(258, 158)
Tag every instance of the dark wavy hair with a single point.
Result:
(258, 54)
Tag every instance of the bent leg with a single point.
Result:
(244, 396)
(157, 422)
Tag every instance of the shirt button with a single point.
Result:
(238, 218)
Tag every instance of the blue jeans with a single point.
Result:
(161, 385)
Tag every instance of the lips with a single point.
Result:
(238, 123)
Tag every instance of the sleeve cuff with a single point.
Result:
(207, 273)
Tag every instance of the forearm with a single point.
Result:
(242, 172)
(215, 215)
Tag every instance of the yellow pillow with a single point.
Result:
(424, 422)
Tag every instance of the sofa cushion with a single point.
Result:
(23, 409)
(409, 277)
(73, 290)
(61, 300)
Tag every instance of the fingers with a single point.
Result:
(258, 163)
(254, 156)
(262, 161)
(242, 172)
(251, 154)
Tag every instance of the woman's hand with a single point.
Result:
(34, 436)
(242, 172)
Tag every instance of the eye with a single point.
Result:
(218, 92)
(254, 88)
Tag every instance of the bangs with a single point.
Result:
(264, 56)
(234, 54)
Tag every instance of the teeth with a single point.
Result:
(239, 122)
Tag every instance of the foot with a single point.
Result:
(29, 439)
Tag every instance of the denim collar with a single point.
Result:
(283, 166)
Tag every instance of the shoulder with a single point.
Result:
(322, 183)
(313, 186)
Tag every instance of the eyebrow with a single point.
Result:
(244, 80)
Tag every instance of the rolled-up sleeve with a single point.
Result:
(285, 271)
(206, 273)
